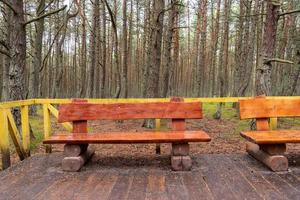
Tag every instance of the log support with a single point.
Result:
(271, 155)
(180, 159)
(71, 150)
(77, 156)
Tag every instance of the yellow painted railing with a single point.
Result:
(21, 142)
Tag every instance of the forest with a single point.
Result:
(148, 48)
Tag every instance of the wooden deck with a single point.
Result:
(212, 177)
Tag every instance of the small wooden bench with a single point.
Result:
(269, 146)
(76, 148)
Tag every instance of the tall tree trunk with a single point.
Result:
(215, 42)
(296, 74)
(147, 42)
(124, 84)
(154, 53)
(131, 71)
(223, 57)
(94, 46)
(33, 89)
(104, 57)
(154, 58)
(7, 13)
(263, 72)
(116, 51)
(17, 64)
(202, 48)
(168, 69)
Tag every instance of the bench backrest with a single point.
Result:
(261, 107)
(81, 111)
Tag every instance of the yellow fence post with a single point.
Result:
(4, 140)
(273, 123)
(25, 129)
(47, 126)
(15, 135)
(157, 124)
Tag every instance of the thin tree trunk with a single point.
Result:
(124, 84)
(116, 53)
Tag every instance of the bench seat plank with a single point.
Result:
(130, 137)
(272, 137)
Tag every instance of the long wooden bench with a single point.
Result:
(269, 146)
(76, 148)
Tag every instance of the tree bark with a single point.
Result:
(263, 73)
(124, 84)
(17, 64)
(154, 57)
(168, 69)
(33, 89)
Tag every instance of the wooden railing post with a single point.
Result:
(25, 129)
(4, 140)
(47, 126)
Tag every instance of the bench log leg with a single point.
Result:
(157, 149)
(74, 164)
(72, 150)
(274, 162)
(273, 149)
(180, 158)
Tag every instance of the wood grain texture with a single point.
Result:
(122, 111)
(74, 164)
(80, 127)
(262, 124)
(265, 108)
(272, 137)
(273, 149)
(128, 137)
(39, 177)
(275, 162)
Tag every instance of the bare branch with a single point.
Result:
(45, 15)
(9, 5)
(4, 44)
(268, 60)
(5, 53)
(49, 4)
(289, 12)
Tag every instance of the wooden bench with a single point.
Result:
(269, 146)
(76, 148)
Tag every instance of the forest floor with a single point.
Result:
(224, 133)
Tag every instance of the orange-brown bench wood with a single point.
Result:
(123, 111)
(261, 107)
(128, 137)
(272, 137)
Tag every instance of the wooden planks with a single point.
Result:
(264, 188)
(122, 111)
(264, 108)
(272, 137)
(125, 137)
(213, 177)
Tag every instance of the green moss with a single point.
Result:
(36, 123)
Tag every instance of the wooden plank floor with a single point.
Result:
(213, 176)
